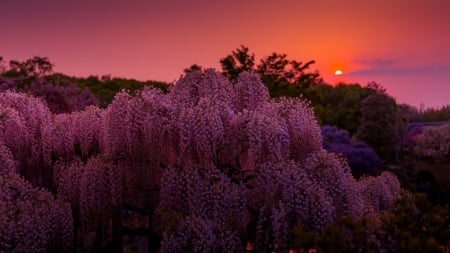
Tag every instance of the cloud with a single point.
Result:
(391, 67)
(375, 63)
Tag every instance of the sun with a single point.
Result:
(338, 72)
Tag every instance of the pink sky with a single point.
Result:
(403, 45)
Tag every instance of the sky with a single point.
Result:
(404, 45)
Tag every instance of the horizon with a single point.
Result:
(403, 45)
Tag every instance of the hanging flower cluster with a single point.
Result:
(223, 164)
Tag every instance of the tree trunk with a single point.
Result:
(98, 237)
(117, 231)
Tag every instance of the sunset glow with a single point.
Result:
(158, 39)
(338, 72)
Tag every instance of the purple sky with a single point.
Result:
(404, 45)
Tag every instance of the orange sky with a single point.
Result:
(404, 45)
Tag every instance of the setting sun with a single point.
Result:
(338, 72)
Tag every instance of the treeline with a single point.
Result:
(336, 105)
(435, 114)
(348, 107)
(23, 76)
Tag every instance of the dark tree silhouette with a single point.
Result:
(282, 76)
(380, 126)
(239, 61)
(34, 67)
(192, 68)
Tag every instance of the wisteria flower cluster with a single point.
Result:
(31, 219)
(222, 164)
(434, 143)
(61, 97)
(360, 157)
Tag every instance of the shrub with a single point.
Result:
(360, 157)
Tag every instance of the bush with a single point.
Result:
(434, 143)
(360, 157)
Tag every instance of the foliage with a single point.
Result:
(214, 165)
(192, 68)
(64, 93)
(270, 150)
(210, 210)
(60, 96)
(239, 61)
(361, 158)
(225, 165)
(413, 130)
(26, 128)
(432, 179)
(409, 113)
(31, 219)
(35, 67)
(419, 225)
(436, 114)
(283, 77)
(380, 126)
(338, 105)
(413, 225)
(105, 88)
(434, 143)
(279, 73)
(333, 105)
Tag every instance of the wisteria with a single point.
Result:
(31, 219)
(7, 162)
(360, 157)
(216, 166)
(27, 131)
(202, 211)
(411, 134)
(434, 143)
(60, 96)
(290, 180)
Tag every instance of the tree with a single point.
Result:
(286, 77)
(263, 154)
(239, 61)
(210, 165)
(408, 113)
(33, 67)
(193, 67)
(434, 143)
(26, 129)
(34, 76)
(32, 219)
(412, 133)
(282, 76)
(378, 88)
(338, 105)
(361, 158)
(278, 67)
(435, 114)
(380, 126)
(62, 97)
